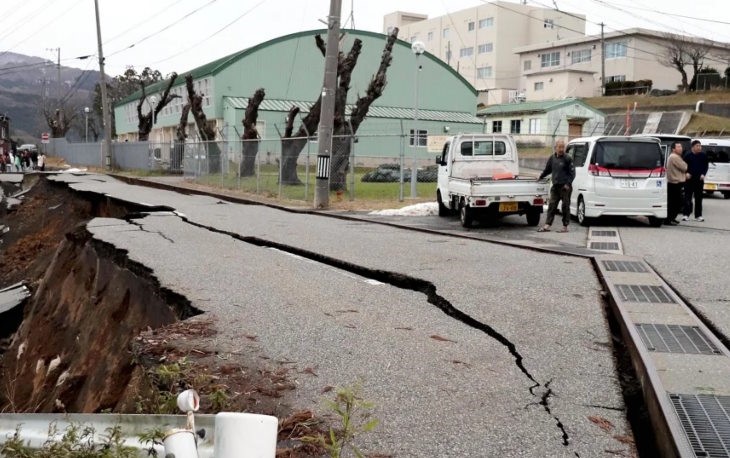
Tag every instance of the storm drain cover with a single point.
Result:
(674, 338)
(624, 266)
(603, 233)
(604, 246)
(706, 421)
(645, 293)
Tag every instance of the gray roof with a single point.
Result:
(374, 112)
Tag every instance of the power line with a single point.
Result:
(150, 17)
(198, 43)
(187, 15)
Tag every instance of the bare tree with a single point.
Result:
(344, 128)
(679, 52)
(146, 121)
(205, 131)
(251, 134)
(59, 121)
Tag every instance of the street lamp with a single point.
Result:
(418, 48)
(86, 115)
(153, 104)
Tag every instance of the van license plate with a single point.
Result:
(629, 184)
(710, 187)
(507, 207)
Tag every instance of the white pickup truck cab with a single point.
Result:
(478, 177)
(621, 176)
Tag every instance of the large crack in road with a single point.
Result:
(411, 283)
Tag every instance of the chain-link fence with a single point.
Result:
(287, 168)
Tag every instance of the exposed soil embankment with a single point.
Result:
(99, 332)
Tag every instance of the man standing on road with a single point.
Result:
(560, 167)
(676, 176)
(696, 170)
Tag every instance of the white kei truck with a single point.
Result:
(478, 177)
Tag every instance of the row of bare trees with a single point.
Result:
(292, 143)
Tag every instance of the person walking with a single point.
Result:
(560, 167)
(676, 177)
(697, 166)
(42, 161)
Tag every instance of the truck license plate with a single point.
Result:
(629, 184)
(507, 207)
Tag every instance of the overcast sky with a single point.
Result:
(178, 35)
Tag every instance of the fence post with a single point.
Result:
(352, 162)
(402, 161)
(306, 166)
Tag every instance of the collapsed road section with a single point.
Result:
(353, 307)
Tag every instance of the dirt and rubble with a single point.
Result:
(100, 334)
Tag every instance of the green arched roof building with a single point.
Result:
(291, 70)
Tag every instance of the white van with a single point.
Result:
(718, 172)
(622, 176)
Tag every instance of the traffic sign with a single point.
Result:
(44, 137)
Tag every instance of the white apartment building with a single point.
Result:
(480, 42)
(572, 67)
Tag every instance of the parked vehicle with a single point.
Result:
(28, 146)
(478, 176)
(718, 173)
(618, 176)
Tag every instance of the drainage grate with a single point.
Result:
(645, 293)
(624, 266)
(706, 421)
(604, 246)
(603, 233)
(674, 338)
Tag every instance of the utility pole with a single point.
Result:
(106, 149)
(326, 118)
(603, 63)
(59, 107)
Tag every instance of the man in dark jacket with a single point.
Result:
(560, 167)
(697, 166)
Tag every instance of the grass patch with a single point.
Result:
(703, 124)
(645, 100)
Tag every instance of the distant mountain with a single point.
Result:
(28, 83)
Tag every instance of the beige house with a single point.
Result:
(539, 123)
(479, 42)
(572, 67)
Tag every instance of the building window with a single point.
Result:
(514, 126)
(548, 24)
(487, 22)
(470, 26)
(445, 33)
(550, 59)
(535, 125)
(527, 65)
(422, 138)
(466, 52)
(430, 36)
(485, 48)
(615, 50)
(539, 86)
(582, 55)
(496, 127)
(615, 78)
(484, 72)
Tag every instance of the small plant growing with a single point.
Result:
(354, 415)
(152, 437)
(77, 441)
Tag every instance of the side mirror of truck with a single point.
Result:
(439, 161)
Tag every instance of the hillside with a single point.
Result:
(26, 82)
(714, 117)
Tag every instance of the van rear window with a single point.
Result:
(628, 155)
(717, 154)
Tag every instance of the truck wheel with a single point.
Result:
(533, 217)
(465, 214)
(726, 194)
(443, 211)
(582, 219)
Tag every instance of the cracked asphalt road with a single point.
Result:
(433, 327)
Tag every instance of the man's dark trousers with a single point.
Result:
(675, 201)
(558, 192)
(693, 188)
